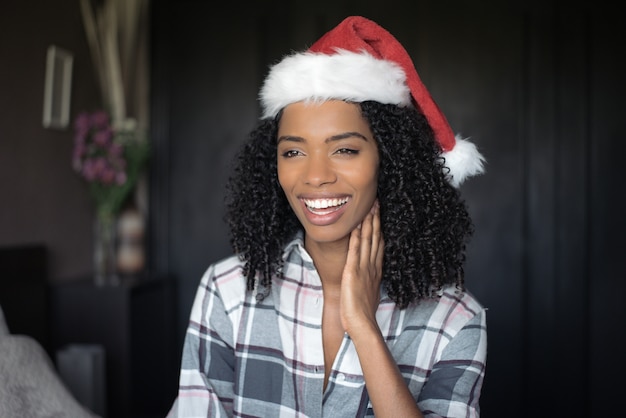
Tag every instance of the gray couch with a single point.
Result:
(30, 386)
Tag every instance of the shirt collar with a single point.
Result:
(295, 247)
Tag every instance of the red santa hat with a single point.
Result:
(359, 61)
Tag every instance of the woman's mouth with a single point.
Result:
(324, 206)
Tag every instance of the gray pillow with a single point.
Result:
(29, 384)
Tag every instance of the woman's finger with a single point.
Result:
(354, 246)
(376, 236)
(366, 240)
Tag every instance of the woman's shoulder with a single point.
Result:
(461, 300)
(451, 308)
(226, 265)
(225, 273)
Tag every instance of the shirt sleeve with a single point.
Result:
(207, 366)
(454, 386)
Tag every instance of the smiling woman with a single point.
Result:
(345, 295)
(328, 167)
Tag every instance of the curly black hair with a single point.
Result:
(425, 223)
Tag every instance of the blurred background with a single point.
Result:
(538, 86)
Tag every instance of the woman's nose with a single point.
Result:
(319, 171)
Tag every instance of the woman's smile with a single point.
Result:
(316, 205)
(324, 211)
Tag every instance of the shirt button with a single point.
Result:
(341, 377)
(317, 301)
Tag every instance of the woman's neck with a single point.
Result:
(329, 259)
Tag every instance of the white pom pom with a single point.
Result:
(464, 161)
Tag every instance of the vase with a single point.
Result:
(130, 255)
(105, 272)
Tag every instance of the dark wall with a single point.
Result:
(42, 201)
(539, 89)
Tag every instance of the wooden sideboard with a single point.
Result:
(134, 323)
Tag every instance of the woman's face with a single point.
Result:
(327, 166)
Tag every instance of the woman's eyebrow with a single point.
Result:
(290, 138)
(346, 135)
(337, 137)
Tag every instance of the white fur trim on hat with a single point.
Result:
(346, 75)
(463, 160)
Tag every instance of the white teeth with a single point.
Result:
(324, 203)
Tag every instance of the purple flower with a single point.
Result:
(89, 169)
(100, 119)
(120, 178)
(80, 138)
(103, 137)
(99, 155)
(116, 149)
(107, 175)
(100, 164)
(79, 150)
(82, 123)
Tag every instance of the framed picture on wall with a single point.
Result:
(57, 88)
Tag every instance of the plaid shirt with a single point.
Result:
(249, 358)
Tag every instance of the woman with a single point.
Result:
(345, 296)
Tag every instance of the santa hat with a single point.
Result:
(359, 61)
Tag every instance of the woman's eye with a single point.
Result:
(348, 151)
(290, 153)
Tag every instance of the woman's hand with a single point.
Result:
(360, 283)
(360, 296)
